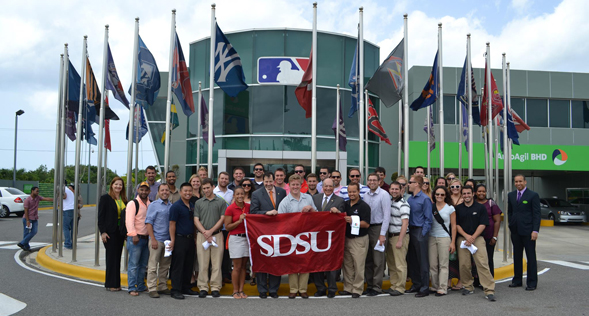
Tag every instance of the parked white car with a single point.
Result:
(12, 201)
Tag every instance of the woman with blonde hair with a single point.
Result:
(455, 188)
(195, 182)
(427, 189)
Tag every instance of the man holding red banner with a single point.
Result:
(296, 202)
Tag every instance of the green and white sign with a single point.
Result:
(524, 157)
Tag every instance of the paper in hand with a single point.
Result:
(167, 251)
(472, 248)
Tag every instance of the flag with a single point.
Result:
(93, 98)
(463, 95)
(173, 122)
(204, 121)
(520, 125)
(88, 133)
(387, 81)
(432, 133)
(374, 123)
(464, 125)
(139, 118)
(148, 77)
(353, 83)
(107, 143)
(229, 74)
(73, 87)
(304, 92)
(497, 103)
(429, 95)
(343, 141)
(70, 125)
(181, 80)
(113, 83)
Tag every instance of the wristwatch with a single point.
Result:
(495, 238)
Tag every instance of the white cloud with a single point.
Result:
(521, 5)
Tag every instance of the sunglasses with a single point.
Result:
(246, 185)
(426, 183)
(335, 177)
(450, 179)
(454, 187)
(403, 184)
(411, 182)
(299, 171)
(354, 176)
(440, 194)
(258, 169)
(322, 173)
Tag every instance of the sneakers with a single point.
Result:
(467, 292)
(154, 294)
(491, 297)
(395, 293)
(164, 292)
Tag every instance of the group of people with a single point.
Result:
(195, 232)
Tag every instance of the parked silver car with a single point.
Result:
(561, 211)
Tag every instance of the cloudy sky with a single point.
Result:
(536, 35)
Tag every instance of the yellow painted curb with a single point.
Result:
(48, 208)
(507, 271)
(547, 223)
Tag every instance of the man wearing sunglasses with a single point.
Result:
(336, 176)
(323, 174)
(258, 176)
(300, 171)
(404, 189)
(354, 177)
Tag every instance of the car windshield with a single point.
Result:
(14, 191)
(558, 203)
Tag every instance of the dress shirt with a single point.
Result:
(380, 208)
(291, 205)
(323, 201)
(320, 187)
(227, 195)
(343, 192)
(421, 212)
(158, 215)
(519, 195)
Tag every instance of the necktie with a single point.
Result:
(272, 199)
(324, 203)
(519, 196)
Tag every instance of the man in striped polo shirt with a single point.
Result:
(354, 177)
(398, 240)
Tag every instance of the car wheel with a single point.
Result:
(4, 211)
(551, 217)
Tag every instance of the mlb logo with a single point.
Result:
(281, 70)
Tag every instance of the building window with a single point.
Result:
(519, 106)
(580, 114)
(537, 114)
(560, 113)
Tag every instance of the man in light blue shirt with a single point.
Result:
(158, 227)
(354, 177)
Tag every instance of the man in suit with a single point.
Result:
(266, 201)
(327, 201)
(524, 223)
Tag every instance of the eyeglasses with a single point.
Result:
(299, 171)
(426, 183)
(411, 182)
(258, 169)
(440, 194)
(335, 177)
(354, 176)
(322, 173)
(402, 184)
(246, 185)
(454, 187)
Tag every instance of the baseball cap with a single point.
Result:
(144, 183)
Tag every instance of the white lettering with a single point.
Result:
(314, 241)
(265, 246)
(222, 51)
(272, 247)
(303, 243)
(293, 245)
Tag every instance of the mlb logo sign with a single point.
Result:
(281, 70)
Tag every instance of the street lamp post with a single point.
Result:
(18, 113)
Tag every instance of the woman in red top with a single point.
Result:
(238, 245)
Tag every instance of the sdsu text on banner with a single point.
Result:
(296, 242)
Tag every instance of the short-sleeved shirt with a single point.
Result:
(69, 201)
(469, 218)
(158, 215)
(152, 190)
(399, 211)
(32, 204)
(343, 192)
(227, 196)
(183, 216)
(235, 212)
(292, 205)
(492, 210)
(437, 229)
(360, 209)
(209, 212)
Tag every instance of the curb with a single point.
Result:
(507, 271)
(49, 208)
(546, 223)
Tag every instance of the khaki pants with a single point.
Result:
(214, 256)
(397, 262)
(439, 260)
(375, 260)
(481, 261)
(355, 251)
(298, 282)
(157, 268)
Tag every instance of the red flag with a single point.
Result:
(497, 103)
(374, 123)
(520, 125)
(107, 135)
(304, 91)
(296, 242)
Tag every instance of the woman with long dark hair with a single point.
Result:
(442, 239)
(248, 188)
(109, 219)
(237, 243)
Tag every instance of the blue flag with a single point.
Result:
(73, 87)
(87, 124)
(353, 83)
(463, 95)
(139, 118)
(464, 125)
(113, 83)
(512, 132)
(148, 77)
(429, 95)
(229, 74)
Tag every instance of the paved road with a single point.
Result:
(561, 291)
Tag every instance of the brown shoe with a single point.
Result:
(304, 295)
(292, 295)
(154, 294)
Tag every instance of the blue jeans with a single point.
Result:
(138, 258)
(68, 227)
(28, 234)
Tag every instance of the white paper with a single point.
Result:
(167, 251)
(472, 248)
(207, 244)
(355, 224)
(379, 247)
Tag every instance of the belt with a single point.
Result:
(414, 227)
(215, 232)
(378, 224)
(394, 234)
(239, 235)
(143, 236)
(185, 236)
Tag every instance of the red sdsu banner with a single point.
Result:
(296, 242)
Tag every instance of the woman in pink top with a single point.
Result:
(238, 246)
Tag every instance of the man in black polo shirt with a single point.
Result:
(356, 246)
(182, 243)
(471, 221)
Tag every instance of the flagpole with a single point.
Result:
(366, 138)
(505, 160)
(469, 93)
(61, 182)
(406, 98)
(314, 95)
(399, 141)
(104, 180)
(490, 120)
(132, 113)
(169, 102)
(509, 164)
(337, 109)
(497, 193)
(57, 167)
(441, 98)
(429, 154)
(78, 146)
(198, 135)
(461, 139)
(361, 115)
(211, 92)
